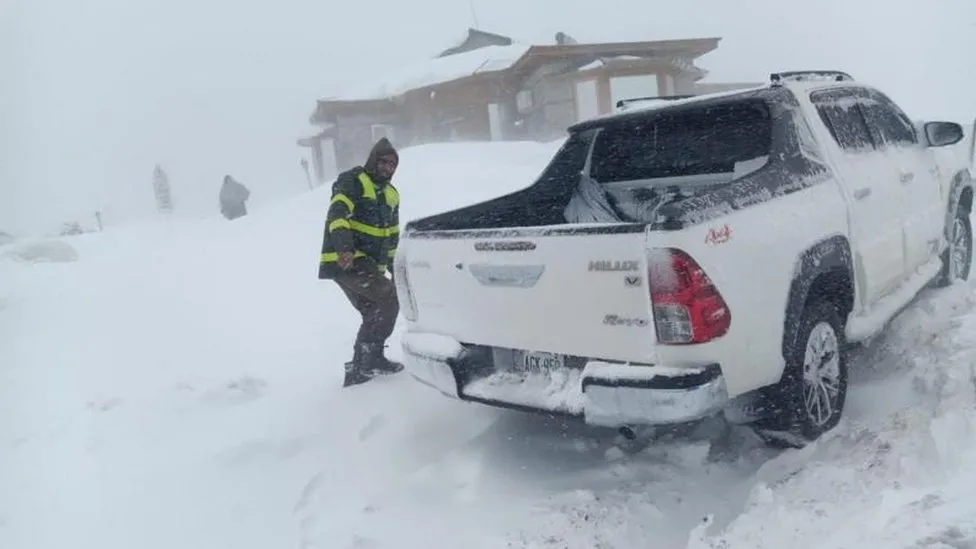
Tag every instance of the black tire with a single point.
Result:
(788, 420)
(957, 258)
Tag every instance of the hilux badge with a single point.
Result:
(611, 266)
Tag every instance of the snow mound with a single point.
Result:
(897, 472)
(193, 399)
(435, 178)
(41, 251)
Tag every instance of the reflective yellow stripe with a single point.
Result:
(345, 200)
(369, 188)
(368, 229)
(392, 196)
(382, 268)
(332, 257)
(391, 253)
(339, 224)
(380, 232)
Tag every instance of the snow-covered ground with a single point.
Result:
(177, 385)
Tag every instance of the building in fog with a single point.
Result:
(489, 87)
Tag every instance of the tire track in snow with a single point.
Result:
(523, 466)
(380, 441)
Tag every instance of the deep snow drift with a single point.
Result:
(177, 385)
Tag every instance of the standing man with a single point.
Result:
(362, 231)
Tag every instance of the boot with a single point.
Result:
(377, 362)
(358, 370)
(356, 374)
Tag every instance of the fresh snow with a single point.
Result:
(602, 62)
(178, 385)
(653, 104)
(33, 250)
(438, 71)
(432, 345)
(558, 390)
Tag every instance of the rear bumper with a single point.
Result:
(600, 393)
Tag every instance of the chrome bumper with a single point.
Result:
(616, 395)
(429, 358)
(602, 394)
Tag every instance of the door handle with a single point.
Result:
(906, 177)
(861, 194)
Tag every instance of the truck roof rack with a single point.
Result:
(777, 78)
(623, 102)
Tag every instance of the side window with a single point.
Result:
(888, 124)
(839, 109)
(570, 159)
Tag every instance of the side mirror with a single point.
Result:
(941, 134)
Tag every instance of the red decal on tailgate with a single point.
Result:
(719, 236)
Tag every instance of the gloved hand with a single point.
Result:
(346, 259)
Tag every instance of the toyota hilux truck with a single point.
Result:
(706, 255)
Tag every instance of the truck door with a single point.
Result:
(876, 201)
(916, 171)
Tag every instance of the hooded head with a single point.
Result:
(382, 161)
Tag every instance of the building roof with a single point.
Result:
(473, 35)
(437, 71)
(517, 57)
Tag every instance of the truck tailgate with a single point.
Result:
(580, 291)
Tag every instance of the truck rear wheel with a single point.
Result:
(809, 399)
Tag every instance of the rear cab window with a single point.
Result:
(639, 161)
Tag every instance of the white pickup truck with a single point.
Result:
(712, 254)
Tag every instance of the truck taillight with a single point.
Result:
(688, 308)
(408, 306)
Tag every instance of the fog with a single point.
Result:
(95, 93)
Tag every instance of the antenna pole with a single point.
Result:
(474, 14)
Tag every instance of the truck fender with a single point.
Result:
(960, 194)
(830, 257)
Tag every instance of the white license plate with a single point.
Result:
(541, 361)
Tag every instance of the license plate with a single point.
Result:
(536, 361)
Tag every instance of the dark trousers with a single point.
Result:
(233, 211)
(374, 296)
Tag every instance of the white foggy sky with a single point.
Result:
(94, 93)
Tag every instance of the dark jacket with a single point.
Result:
(363, 217)
(233, 198)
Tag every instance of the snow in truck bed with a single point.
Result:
(178, 386)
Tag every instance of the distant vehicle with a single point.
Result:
(702, 255)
